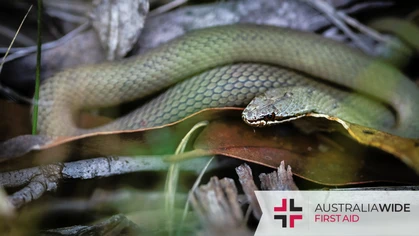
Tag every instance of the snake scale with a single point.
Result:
(227, 66)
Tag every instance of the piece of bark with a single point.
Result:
(45, 180)
(38, 180)
(218, 209)
(118, 24)
(100, 167)
(249, 187)
(278, 180)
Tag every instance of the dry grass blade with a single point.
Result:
(167, 7)
(14, 38)
(173, 175)
(6, 90)
(195, 185)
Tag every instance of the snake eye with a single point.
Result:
(270, 117)
(267, 117)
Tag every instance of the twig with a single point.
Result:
(69, 11)
(38, 179)
(10, 33)
(331, 13)
(68, 17)
(21, 52)
(366, 5)
(76, 6)
(45, 180)
(103, 166)
(338, 16)
(362, 28)
(169, 6)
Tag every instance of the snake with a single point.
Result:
(228, 66)
(404, 29)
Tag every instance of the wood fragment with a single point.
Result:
(278, 180)
(249, 187)
(45, 180)
(218, 209)
(118, 24)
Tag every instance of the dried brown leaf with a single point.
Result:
(330, 160)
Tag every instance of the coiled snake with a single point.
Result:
(229, 65)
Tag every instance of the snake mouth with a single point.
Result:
(271, 119)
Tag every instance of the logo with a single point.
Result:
(284, 217)
(338, 213)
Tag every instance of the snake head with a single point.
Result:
(277, 106)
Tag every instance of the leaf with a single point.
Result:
(34, 150)
(327, 159)
(404, 148)
(334, 160)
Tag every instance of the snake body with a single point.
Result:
(109, 84)
(403, 29)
